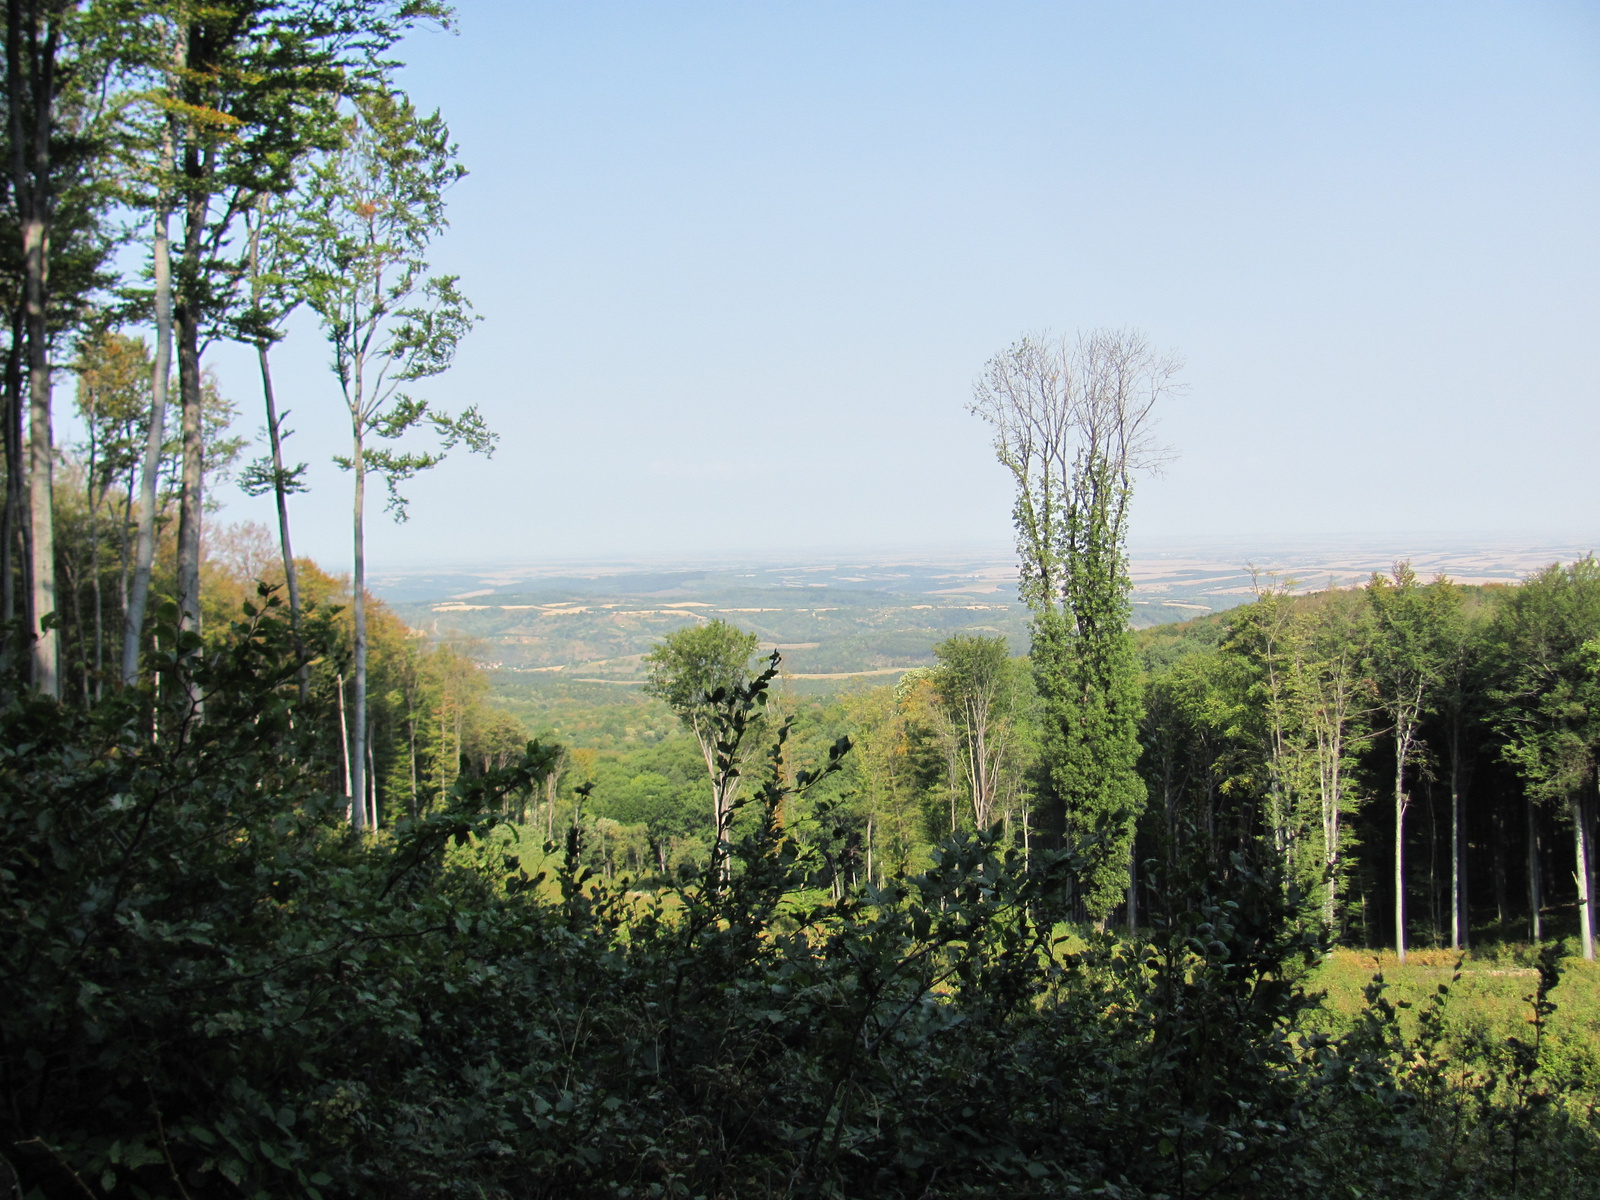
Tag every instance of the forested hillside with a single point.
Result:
(596, 893)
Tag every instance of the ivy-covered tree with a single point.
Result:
(1072, 423)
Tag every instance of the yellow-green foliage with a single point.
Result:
(1487, 1004)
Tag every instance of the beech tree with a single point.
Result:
(691, 670)
(246, 90)
(55, 109)
(373, 208)
(113, 404)
(1548, 704)
(271, 267)
(1335, 700)
(976, 680)
(1408, 663)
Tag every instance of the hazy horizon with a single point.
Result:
(739, 266)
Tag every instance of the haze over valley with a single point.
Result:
(873, 616)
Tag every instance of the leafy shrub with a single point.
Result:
(211, 987)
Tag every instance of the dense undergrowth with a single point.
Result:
(210, 987)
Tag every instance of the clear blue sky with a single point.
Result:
(739, 264)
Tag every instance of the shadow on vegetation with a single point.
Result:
(213, 987)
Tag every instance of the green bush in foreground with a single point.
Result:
(212, 988)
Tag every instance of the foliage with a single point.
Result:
(212, 986)
(1072, 425)
(693, 670)
(373, 208)
(1300, 719)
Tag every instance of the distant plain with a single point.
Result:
(557, 625)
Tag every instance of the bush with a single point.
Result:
(212, 987)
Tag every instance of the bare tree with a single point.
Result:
(1073, 422)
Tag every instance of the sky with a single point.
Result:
(739, 264)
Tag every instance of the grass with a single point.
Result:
(1489, 1002)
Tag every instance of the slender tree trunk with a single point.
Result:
(124, 558)
(870, 877)
(1400, 854)
(95, 500)
(344, 746)
(197, 166)
(1133, 885)
(1458, 882)
(411, 738)
(1498, 863)
(12, 520)
(71, 581)
(359, 613)
(191, 499)
(290, 575)
(372, 782)
(1535, 891)
(1580, 841)
(155, 436)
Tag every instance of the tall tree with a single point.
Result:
(1547, 699)
(33, 39)
(688, 670)
(1072, 423)
(249, 89)
(54, 108)
(1408, 664)
(270, 264)
(373, 208)
(1334, 698)
(1460, 689)
(162, 51)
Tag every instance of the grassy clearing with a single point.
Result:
(1488, 1003)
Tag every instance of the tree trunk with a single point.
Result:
(94, 566)
(411, 739)
(1400, 854)
(189, 314)
(344, 745)
(1535, 892)
(291, 576)
(358, 757)
(124, 546)
(372, 782)
(1580, 841)
(1458, 881)
(155, 436)
(1499, 866)
(1133, 885)
(11, 520)
(191, 498)
(41, 455)
(30, 162)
